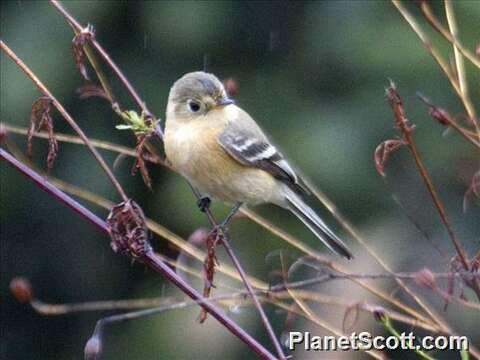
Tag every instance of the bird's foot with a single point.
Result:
(204, 204)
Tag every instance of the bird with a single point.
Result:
(224, 154)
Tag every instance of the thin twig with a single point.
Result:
(276, 290)
(271, 296)
(460, 66)
(149, 258)
(66, 116)
(99, 144)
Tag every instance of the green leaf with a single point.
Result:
(123, 127)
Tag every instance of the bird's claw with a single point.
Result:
(204, 203)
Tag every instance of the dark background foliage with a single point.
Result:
(312, 73)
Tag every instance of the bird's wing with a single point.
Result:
(245, 142)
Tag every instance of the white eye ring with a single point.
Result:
(194, 106)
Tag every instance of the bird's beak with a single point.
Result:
(224, 100)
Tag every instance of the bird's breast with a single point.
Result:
(194, 151)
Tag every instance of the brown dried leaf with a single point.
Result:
(85, 36)
(90, 90)
(40, 118)
(209, 265)
(383, 152)
(128, 229)
(140, 161)
(438, 113)
(441, 115)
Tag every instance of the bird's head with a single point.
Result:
(195, 94)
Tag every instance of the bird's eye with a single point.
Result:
(193, 106)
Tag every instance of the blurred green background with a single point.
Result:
(313, 74)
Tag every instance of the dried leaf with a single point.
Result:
(140, 161)
(90, 90)
(128, 230)
(383, 152)
(438, 113)
(209, 265)
(85, 36)
(40, 118)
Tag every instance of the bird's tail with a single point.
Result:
(297, 206)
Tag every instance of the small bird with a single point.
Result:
(225, 155)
